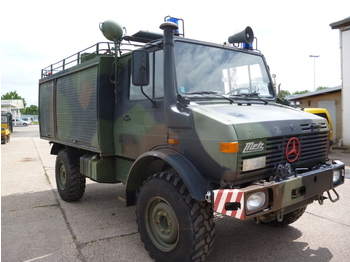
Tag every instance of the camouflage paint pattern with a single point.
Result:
(75, 106)
(127, 141)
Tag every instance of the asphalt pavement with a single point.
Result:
(36, 225)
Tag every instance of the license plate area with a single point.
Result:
(312, 185)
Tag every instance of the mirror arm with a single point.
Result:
(154, 103)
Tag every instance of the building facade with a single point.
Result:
(344, 35)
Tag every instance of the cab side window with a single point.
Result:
(155, 87)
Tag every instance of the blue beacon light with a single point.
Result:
(179, 22)
(247, 46)
(174, 20)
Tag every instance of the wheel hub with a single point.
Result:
(162, 224)
(62, 177)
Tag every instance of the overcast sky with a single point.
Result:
(37, 33)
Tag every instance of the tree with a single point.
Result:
(13, 96)
(282, 99)
(31, 110)
(284, 94)
(301, 92)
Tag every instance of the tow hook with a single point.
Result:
(330, 197)
(279, 216)
(321, 198)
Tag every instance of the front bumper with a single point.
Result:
(282, 197)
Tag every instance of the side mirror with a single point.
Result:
(140, 68)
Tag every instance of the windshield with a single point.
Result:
(209, 70)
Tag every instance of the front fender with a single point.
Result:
(154, 161)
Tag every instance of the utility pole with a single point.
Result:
(314, 56)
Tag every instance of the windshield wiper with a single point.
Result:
(202, 93)
(257, 96)
(253, 95)
(209, 93)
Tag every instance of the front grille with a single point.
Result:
(314, 148)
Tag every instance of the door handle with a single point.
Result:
(126, 118)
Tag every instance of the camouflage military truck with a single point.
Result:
(190, 128)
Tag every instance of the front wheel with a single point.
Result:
(173, 226)
(70, 183)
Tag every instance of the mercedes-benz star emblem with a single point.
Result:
(293, 149)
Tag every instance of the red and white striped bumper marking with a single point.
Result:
(222, 196)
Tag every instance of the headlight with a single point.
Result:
(336, 176)
(256, 201)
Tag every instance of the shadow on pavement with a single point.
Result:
(247, 241)
(100, 228)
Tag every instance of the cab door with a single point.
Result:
(142, 121)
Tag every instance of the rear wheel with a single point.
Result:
(173, 226)
(70, 183)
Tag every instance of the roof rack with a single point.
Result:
(101, 48)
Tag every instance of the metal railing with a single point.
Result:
(102, 48)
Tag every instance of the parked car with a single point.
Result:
(20, 122)
(28, 119)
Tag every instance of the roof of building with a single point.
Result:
(12, 104)
(341, 23)
(315, 93)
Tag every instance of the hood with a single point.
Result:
(259, 120)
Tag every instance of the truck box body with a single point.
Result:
(76, 106)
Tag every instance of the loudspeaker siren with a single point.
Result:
(245, 36)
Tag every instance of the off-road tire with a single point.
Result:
(70, 182)
(287, 218)
(173, 226)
